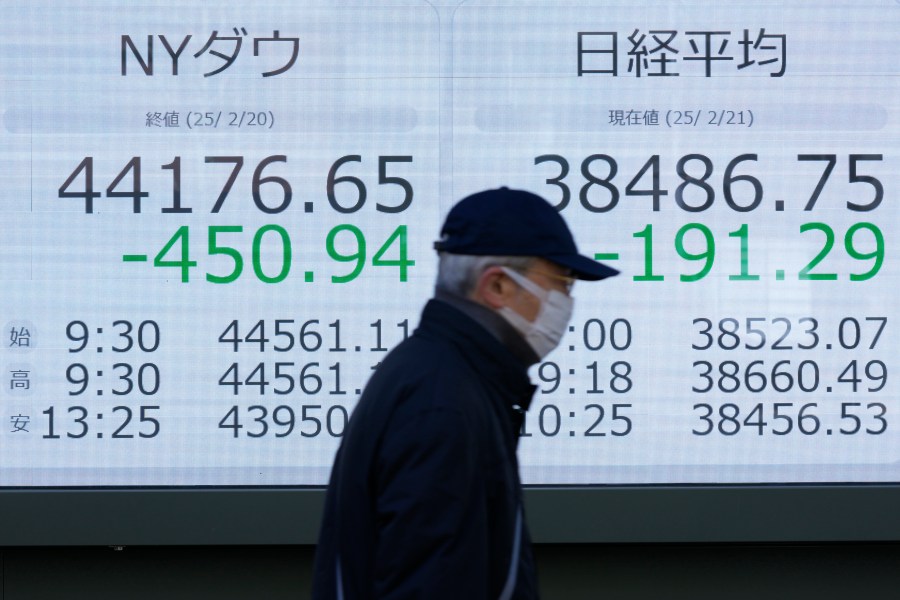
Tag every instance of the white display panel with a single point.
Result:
(743, 184)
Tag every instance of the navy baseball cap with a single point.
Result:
(505, 222)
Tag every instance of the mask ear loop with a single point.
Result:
(527, 284)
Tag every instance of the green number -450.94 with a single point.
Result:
(176, 253)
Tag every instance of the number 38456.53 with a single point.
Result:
(785, 418)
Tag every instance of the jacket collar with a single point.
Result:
(496, 325)
(490, 357)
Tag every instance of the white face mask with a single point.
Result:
(544, 333)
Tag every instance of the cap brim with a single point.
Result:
(583, 267)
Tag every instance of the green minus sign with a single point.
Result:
(607, 256)
(134, 257)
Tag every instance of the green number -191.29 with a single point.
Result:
(702, 252)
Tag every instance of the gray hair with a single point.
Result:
(458, 273)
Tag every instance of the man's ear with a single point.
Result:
(494, 289)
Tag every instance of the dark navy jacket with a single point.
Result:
(424, 499)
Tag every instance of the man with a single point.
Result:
(425, 499)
